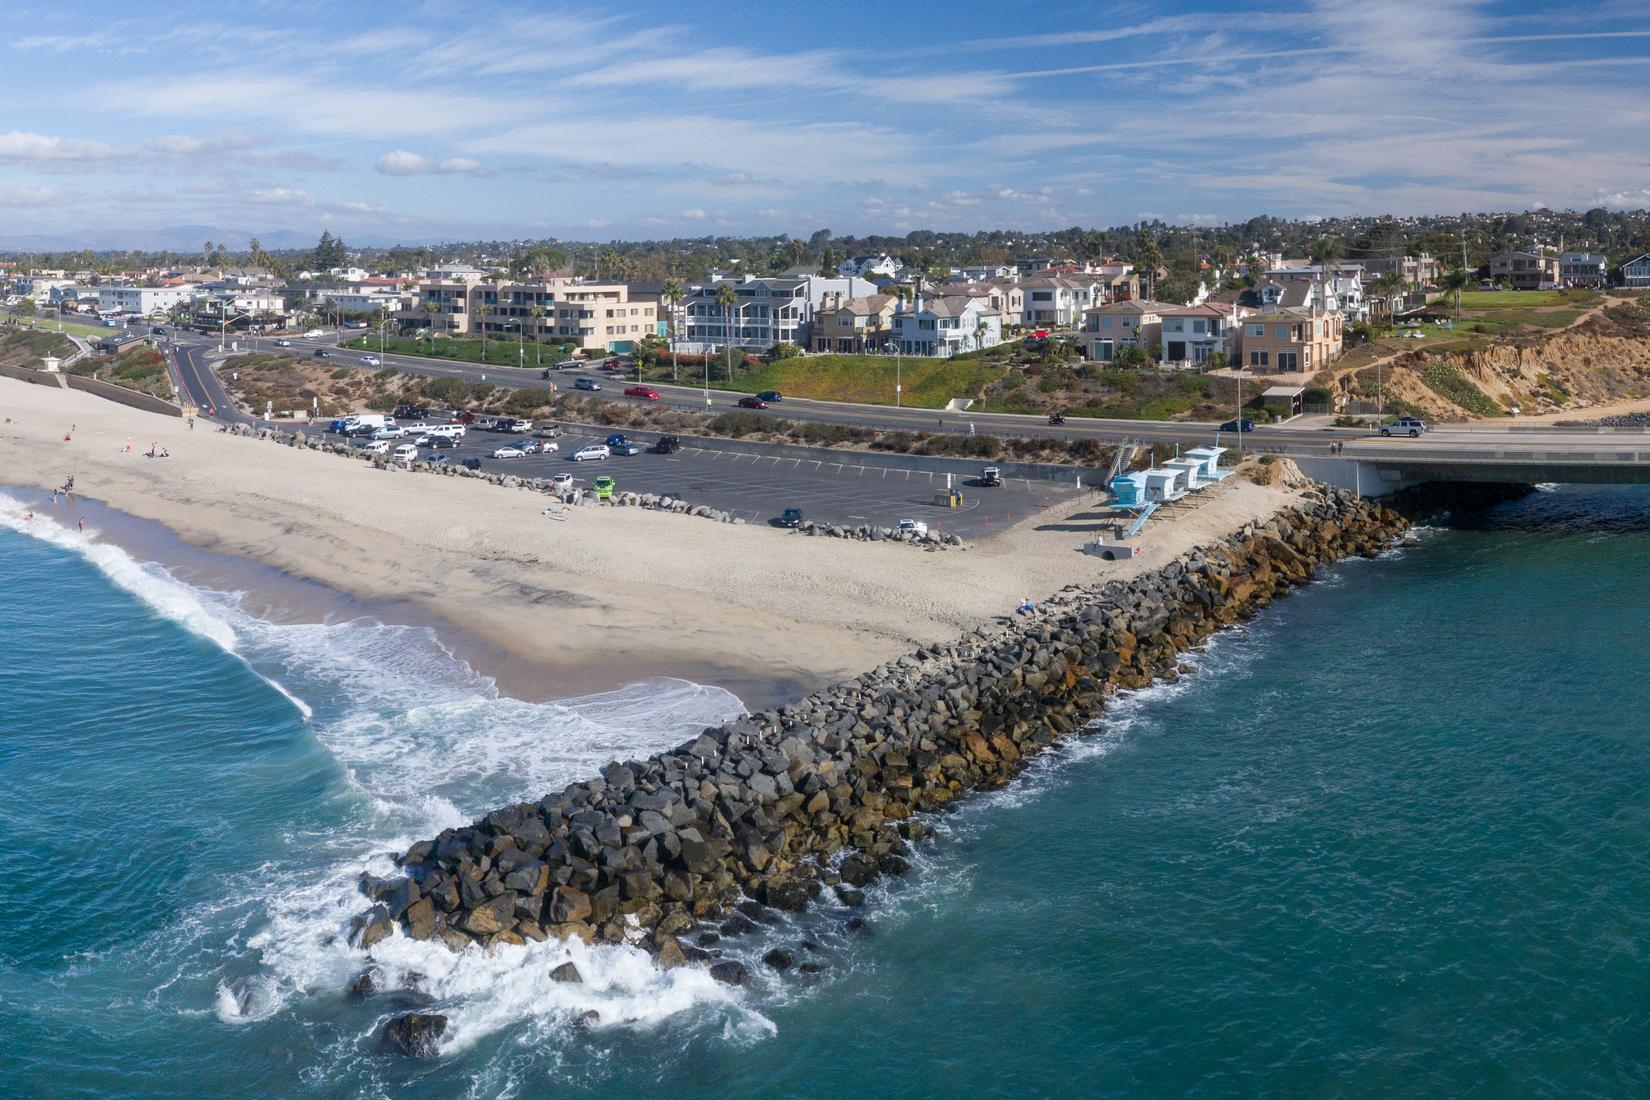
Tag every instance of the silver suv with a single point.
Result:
(1411, 426)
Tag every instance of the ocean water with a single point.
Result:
(1391, 838)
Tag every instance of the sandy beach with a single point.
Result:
(609, 597)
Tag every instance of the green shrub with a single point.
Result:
(1446, 379)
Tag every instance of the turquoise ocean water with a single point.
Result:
(1392, 838)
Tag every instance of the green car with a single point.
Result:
(604, 487)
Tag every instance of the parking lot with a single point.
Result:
(838, 487)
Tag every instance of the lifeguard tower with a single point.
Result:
(1165, 485)
(1210, 458)
(1193, 470)
(1129, 494)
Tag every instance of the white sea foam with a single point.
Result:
(430, 744)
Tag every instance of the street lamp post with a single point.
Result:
(899, 386)
(223, 326)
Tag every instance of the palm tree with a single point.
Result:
(536, 312)
(727, 298)
(1455, 282)
(672, 298)
(432, 308)
(479, 320)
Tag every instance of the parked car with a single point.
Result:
(616, 440)
(464, 417)
(283, 343)
(587, 384)
(338, 426)
(371, 360)
(376, 447)
(770, 396)
(604, 487)
(991, 476)
(627, 449)
(593, 452)
(408, 411)
(668, 444)
(752, 403)
(439, 441)
(547, 431)
(1238, 426)
(791, 517)
(510, 452)
(389, 431)
(912, 527)
(438, 459)
(561, 482)
(321, 353)
(1411, 426)
(644, 392)
(529, 446)
(470, 463)
(406, 452)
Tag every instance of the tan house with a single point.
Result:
(1525, 270)
(1291, 340)
(1003, 295)
(1109, 328)
(853, 325)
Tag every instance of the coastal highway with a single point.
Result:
(1487, 437)
(199, 386)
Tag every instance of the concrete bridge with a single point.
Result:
(1372, 465)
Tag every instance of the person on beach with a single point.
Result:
(191, 423)
(82, 525)
(1027, 607)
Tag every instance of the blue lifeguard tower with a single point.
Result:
(1129, 494)
(1193, 469)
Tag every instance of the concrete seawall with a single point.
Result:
(827, 793)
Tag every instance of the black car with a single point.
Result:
(791, 517)
(770, 396)
(1238, 426)
(470, 463)
(322, 353)
(668, 444)
(444, 441)
(405, 411)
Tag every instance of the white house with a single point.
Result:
(1058, 301)
(1583, 268)
(866, 267)
(1191, 334)
(943, 327)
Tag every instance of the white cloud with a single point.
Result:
(694, 214)
(188, 145)
(400, 162)
(29, 196)
(282, 196)
(18, 146)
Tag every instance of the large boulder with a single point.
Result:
(417, 1034)
(494, 915)
(566, 972)
(729, 971)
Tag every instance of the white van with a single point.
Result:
(445, 431)
(406, 452)
(367, 420)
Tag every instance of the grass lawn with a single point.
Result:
(866, 379)
(502, 353)
(48, 323)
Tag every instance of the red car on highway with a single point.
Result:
(643, 392)
(752, 403)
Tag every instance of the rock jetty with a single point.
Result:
(828, 792)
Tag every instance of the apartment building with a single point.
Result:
(590, 316)
(1419, 270)
(1109, 328)
(1291, 340)
(146, 301)
(765, 312)
(1524, 270)
(853, 325)
(1636, 271)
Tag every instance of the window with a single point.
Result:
(1257, 359)
(1280, 332)
(1288, 360)
(1042, 296)
(1177, 325)
(1103, 350)
(1254, 330)
(1199, 326)
(1105, 322)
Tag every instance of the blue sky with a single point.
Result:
(623, 120)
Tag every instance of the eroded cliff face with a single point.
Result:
(1603, 360)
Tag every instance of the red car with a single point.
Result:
(752, 403)
(643, 392)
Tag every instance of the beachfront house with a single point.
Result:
(1636, 272)
(1109, 328)
(853, 325)
(944, 326)
(1583, 268)
(1291, 340)
(1524, 270)
(1191, 334)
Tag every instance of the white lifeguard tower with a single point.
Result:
(1210, 458)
